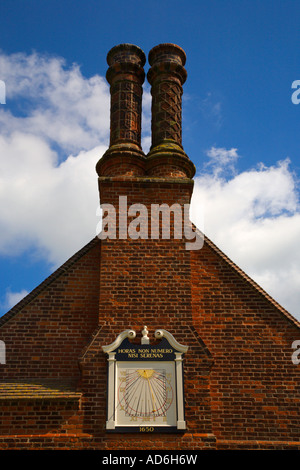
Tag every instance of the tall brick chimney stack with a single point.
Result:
(166, 76)
(144, 272)
(126, 77)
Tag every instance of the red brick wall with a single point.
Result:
(146, 282)
(46, 336)
(28, 417)
(240, 383)
(254, 385)
(43, 341)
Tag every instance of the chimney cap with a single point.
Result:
(167, 52)
(126, 53)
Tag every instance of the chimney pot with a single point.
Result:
(167, 53)
(126, 53)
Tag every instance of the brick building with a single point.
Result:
(239, 387)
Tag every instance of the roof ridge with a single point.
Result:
(254, 284)
(73, 259)
(51, 278)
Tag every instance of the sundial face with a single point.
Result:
(146, 394)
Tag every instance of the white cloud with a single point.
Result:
(220, 158)
(254, 217)
(65, 108)
(12, 298)
(48, 151)
(44, 205)
(54, 129)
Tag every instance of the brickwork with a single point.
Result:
(45, 338)
(253, 384)
(240, 385)
(241, 388)
(28, 417)
(166, 76)
(126, 77)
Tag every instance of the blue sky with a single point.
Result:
(240, 128)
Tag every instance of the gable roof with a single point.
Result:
(248, 279)
(33, 389)
(96, 241)
(56, 274)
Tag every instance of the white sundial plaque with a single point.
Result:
(145, 383)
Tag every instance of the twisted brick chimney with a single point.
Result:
(126, 77)
(166, 76)
(134, 269)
